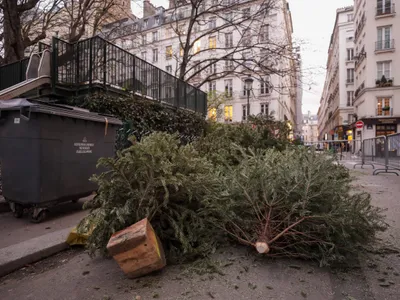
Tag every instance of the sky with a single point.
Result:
(313, 22)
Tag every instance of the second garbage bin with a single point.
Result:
(49, 152)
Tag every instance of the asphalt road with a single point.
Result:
(13, 231)
(74, 275)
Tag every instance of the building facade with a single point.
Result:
(310, 134)
(336, 110)
(377, 80)
(216, 47)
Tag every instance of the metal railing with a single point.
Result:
(96, 61)
(384, 45)
(13, 73)
(383, 151)
(342, 150)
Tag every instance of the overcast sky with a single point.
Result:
(313, 22)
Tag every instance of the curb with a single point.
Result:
(17, 256)
(4, 207)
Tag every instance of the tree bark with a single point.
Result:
(13, 41)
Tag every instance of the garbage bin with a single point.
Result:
(48, 153)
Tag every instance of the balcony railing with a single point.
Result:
(386, 82)
(384, 45)
(384, 112)
(350, 80)
(385, 10)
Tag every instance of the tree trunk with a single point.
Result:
(13, 41)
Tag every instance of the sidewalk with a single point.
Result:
(242, 275)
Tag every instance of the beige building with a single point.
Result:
(336, 109)
(310, 129)
(377, 71)
(235, 53)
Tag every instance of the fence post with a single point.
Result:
(104, 63)
(185, 93)
(54, 69)
(90, 63)
(76, 49)
(177, 93)
(159, 85)
(134, 75)
(386, 153)
(195, 100)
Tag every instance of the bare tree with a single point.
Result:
(238, 40)
(26, 22)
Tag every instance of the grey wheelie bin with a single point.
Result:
(48, 153)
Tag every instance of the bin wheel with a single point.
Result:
(18, 211)
(40, 216)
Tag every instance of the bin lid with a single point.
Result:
(58, 110)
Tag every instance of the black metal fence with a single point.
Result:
(97, 62)
(13, 73)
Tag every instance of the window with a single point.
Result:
(246, 13)
(385, 129)
(155, 55)
(168, 52)
(244, 112)
(350, 76)
(350, 17)
(384, 69)
(246, 37)
(350, 118)
(246, 59)
(157, 20)
(264, 33)
(212, 23)
(228, 40)
(212, 114)
(214, 2)
(228, 112)
(145, 23)
(350, 98)
(197, 66)
(384, 38)
(169, 69)
(228, 87)
(144, 42)
(384, 7)
(155, 36)
(350, 54)
(181, 51)
(264, 109)
(228, 17)
(229, 63)
(212, 42)
(264, 86)
(383, 108)
(197, 46)
(212, 86)
(196, 28)
(143, 55)
(168, 33)
(213, 68)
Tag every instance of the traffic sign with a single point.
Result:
(360, 124)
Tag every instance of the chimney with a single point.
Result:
(148, 9)
(172, 4)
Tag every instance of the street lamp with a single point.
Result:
(248, 85)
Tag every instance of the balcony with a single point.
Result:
(385, 11)
(386, 111)
(386, 45)
(350, 81)
(384, 82)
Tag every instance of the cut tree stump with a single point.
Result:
(137, 249)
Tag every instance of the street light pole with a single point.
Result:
(248, 83)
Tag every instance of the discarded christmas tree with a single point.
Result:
(295, 203)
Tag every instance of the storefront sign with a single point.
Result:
(370, 126)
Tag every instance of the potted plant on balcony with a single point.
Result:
(383, 80)
(378, 83)
(390, 82)
(386, 108)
